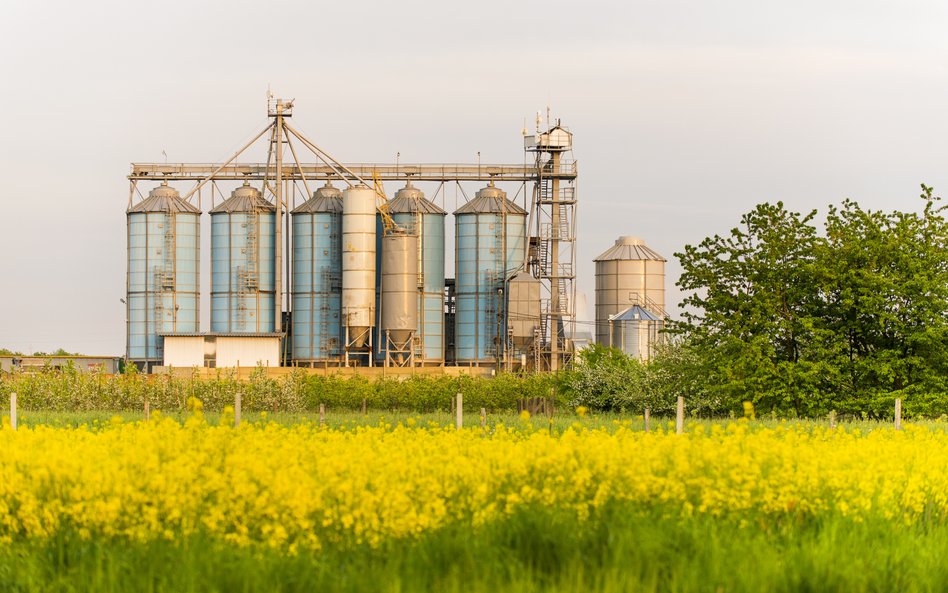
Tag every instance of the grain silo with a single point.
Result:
(243, 293)
(412, 211)
(630, 290)
(358, 270)
(490, 248)
(163, 282)
(524, 316)
(399, 297)
(317, 278)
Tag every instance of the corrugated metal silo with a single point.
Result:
(399, 297)
(243, 291)
(491, 245)
(628, 273)
(635, 331)
(317, 277)
(358, 265)
(163, 292)
(411, 210)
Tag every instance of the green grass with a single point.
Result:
(623, 550)
(342, 419)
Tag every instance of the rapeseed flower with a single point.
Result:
(303, 486)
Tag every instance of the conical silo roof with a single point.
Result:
(244, 199)
(411, 200)
(325, 199)
(490, 200)
(629, 248)
(635, 313)
(163, 199)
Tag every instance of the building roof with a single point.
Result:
(411, 200)
(244, 199)
(325, 199)
(163, 199)
(635, 313)
(630, 248)
(221, 335)
(490, 200)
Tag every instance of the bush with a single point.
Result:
(73, 390)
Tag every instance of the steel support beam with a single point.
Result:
(386, 172)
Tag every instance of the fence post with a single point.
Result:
(238, 404)
(459, 421)
(833, 419)
(483, 417)
(648, 420)
(147, 411)
(680, 416)
(363, 406)
(13, 410)
(898, 414)
(322, 414)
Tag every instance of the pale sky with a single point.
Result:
(684, 114)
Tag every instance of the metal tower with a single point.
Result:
(554, 259)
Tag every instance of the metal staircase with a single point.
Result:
(163, 279)
(248, 275)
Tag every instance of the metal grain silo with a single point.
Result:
(399, 297)
(412, 211)
(491, 245)
(163, 290)
(358, 267)
(635, 331)
(523, 316)
(317, 278)
(628, 273)
(243, 292)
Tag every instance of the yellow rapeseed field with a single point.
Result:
(304, 486)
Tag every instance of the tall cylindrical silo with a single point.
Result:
(411, 210)
(358, 265)
(628, 273)
(317, 278)
(399, 296)
(491, 244)
(243, 289)
(163, 292)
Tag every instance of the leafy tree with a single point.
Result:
(802, 322)
(751, 306)
(886, 296)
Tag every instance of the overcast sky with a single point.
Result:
(685, 115)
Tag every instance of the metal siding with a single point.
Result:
(317, 295)
(183, 352)
(431, 254)
(251, 309)
(399, 286)
(483, 263)
(247, 351)
(153, 306)
(358, 259)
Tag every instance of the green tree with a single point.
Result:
(803, 322)
(886, 296)
(749, 311)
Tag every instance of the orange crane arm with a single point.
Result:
(387, 222)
